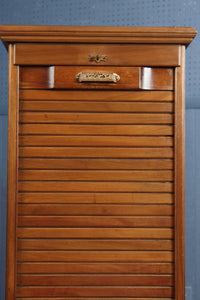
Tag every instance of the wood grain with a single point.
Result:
(95, 291)
(179, 179)
(62, 129)
(81, 256)
(133, 198)
(12, 174)
(94, 209)
(88, 106)
(96, 164)
(94, 244)
(81, 186)
(64, 54)
(83, 298)
(95, 118)
(96, 34)
(98, 95)
(96, 152)
(104, 233)
(78, 140)
(95, 268)
(72, 175)
(96, 280)
(95, 221)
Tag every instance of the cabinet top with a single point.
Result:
(86, 34)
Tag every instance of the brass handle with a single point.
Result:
(97, 77)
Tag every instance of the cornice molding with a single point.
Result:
(78, 34)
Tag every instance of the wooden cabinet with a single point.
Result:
(95, 162)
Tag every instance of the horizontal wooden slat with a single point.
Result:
(95, 118)
(97, 280)
(97, 221)
(98, 268)
(80, 186)
(123, 141)
(96, 95)
(95, 209)
(72, 244)
(96, 256)
(95, 129)
(134, 198)
(95, 164)
(77, 54)
(83, 298)
(146, 233)
(91, 106)
(96, 152)
(99, 175)
(95, 291)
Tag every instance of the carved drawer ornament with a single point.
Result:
(98, 58)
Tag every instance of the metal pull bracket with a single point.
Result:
(97, 77)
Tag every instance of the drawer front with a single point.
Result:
(84, 77)
(97, 54)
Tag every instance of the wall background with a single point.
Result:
(118, 13)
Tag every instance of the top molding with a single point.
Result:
(86, 34)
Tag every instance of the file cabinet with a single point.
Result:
(95, 162)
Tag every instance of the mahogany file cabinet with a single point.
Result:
(95, 162)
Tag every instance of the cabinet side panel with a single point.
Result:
(180, 179)
(12, 177)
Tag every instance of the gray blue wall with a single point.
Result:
(118, 13)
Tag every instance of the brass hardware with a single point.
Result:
(97, 77)
(98, 58)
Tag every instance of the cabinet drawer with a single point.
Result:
(97, 54)
(85, 77)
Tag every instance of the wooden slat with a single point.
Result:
(96, 129)
(97, 221)
(95, 164)
(54, 186)
(78, 244)
(95, 291)
(91, 106)
(96, 95)
(97, 175)
(95, 118)
(96, 152)
(97, 280)
(95, 209)
(98, 268)
(123, 141)
(83, 298)
(133, 198)
(96, 256)
(105, 233)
